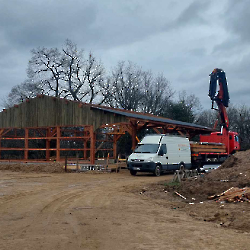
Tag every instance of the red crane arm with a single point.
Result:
(218, 78)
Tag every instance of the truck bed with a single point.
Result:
(207, 148)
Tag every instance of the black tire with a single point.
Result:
(157, 171)
(182, 166)
(133, 172)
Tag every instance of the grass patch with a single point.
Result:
(172, 184)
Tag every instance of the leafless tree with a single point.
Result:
(191, 101)
(131, 88)
(46, 68)
(123, 88)
(207, 118)
(157, 93)
(66, 73)
(83, 77)
(239, 121)
(19, 93)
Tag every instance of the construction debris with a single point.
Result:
(180, 195)
(235, 194)
(234, 172)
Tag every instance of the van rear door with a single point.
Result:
(172, 153)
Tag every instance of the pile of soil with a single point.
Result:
(234, 172)
(192, 194)
(51, 167)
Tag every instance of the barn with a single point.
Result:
(47, 128)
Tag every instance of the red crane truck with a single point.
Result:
(218, 145)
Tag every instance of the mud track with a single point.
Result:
(98, 211)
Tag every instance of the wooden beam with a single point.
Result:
(134, 132)
(143, 126)
(5, 132)
(85, 148)
(156, 130)
(92, 145)
(58, 134)
(115, 146)
(180, 133)
(26, 144)
(1, 131)
(47, 147)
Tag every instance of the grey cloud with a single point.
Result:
(198, 52)
(192, 15)
(237, 18)
(233, 44)
(41, 23)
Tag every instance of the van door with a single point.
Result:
(172, 154)
(162, 156)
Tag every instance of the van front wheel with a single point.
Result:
(133, 172)
(157, 171)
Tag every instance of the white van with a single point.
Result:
(158, 153)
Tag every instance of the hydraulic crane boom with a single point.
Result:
(218, 78)
(228, 138)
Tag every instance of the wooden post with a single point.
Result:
(77, 161)
(85, 146)
(66, 163)
(58, 134)
(107, 161)
(26, 144)
(114, 146)
(134, 130)
(92, 145)
(47, 146)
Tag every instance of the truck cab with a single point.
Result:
(158, 153)
(230, 140)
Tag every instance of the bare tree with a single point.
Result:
(239, 121)
(82, 77)
(21, 92)
(208, 118)
(62, 73)
(124, 87)
(131, 88)
(157, 94)
(46, 68)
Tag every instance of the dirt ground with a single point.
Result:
(103, 211)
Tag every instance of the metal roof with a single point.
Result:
(152, 118)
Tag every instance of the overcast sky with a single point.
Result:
(183, 39)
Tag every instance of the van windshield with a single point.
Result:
(147, 148)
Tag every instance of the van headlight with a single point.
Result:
(150, 159)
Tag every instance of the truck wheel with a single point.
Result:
(182, 166)
(157, 171)
(133, 172)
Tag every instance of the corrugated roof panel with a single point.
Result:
(152, 118)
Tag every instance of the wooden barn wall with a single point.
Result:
(47, 111)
